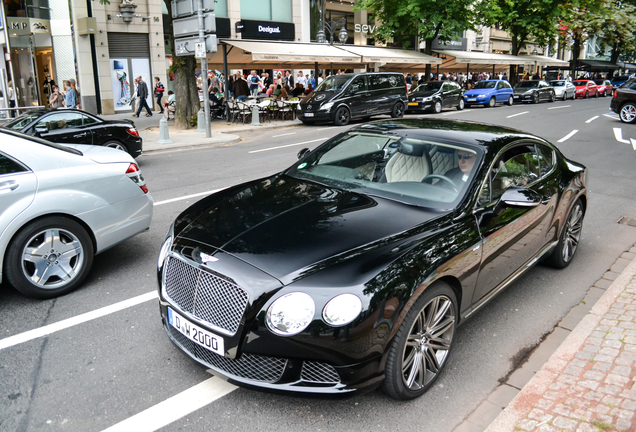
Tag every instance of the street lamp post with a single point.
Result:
(534, 53)
(331, 27)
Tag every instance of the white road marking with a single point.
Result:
(186, 197)
(291, 133)
(618, 134)
(518, 114)
(562, 106)
(288, 145)
(568, 136)
(455, 112)
(79, 319)
(633, 143)
(172, 409)
(591, 120)
(612, 116)
(327, 128)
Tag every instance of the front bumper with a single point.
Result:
(522, 97)
(419, 106)
(473, 100)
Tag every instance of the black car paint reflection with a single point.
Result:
(287, 233)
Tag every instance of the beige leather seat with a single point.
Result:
(409, 163)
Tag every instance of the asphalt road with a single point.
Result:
(120, 370)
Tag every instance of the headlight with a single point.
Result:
(427, 99)
(480, 96)
(341, 310)
(165, 247)
(290, 314)
(326, 106)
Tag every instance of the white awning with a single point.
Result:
(265, 54)
(545, 61)
(478, 57)
(373, 54)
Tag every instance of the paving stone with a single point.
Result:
(603, 283)
(602, 409)
(586, 427)
(551, 395)
(609, 389)
(573, 370)
(611, 275)
(484, 414)
(623, 425)
(617, 344)
(579, 363)
(601, 357)
(593, 396)
(598, 333)
(565, 423)
(616, 380)
(582, 414)
(612, 315)
(562, 410)
(629, 394)
(567, 379)
(611, 401)
(526, 425)
(621, 413)
(520, 377)
(584, 355)
(602, 366)
(546, 428)
(544, 404)
(628, 255)
(629, 404)
(540, 416)
(467, 426)
(503, 395)
(592, 385)
(594, 341)
(594, 375)
(574, 316)
(620, 265)
(593, 348)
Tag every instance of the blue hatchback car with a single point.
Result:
(489, 93)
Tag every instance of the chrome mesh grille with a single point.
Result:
(248, 366)
(204, 295)
(316, 372)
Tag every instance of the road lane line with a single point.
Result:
(591, 120)
(327, 128)
(633, 143)
(518, 114)
(186, 197)
(288, 145)
(79, 319)
(291, 133)
(612, 116)
(568, 136)
(455, 112)
(176, 407)
(618, 134)
(562, 106)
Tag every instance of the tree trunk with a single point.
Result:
(616, 51)
(516, 47)
(185, 84)
(428, 50)
(576, 49)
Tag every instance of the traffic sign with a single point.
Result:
(189, 26)
(199, 50)
(182, 8)
(187, 46)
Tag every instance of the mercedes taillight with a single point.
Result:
(134, 174)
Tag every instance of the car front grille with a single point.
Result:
(207, 297)
(315, 372)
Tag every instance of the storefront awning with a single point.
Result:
(482, 58)
(545, 61)
(623, 65)
(597, 65)
(268, 54)
(399, 58)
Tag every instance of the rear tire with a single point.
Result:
(116, 145)
(567, 246)
(492, 102)
(627, 113)
(511, 101)
(596, 95)
(552, 97)
(461, 105)
(587, 95)
(535, 98)
(565, 96)
(398, 110)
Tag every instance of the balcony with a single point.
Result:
(499, 34)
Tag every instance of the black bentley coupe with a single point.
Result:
(71, 126)
(354, 267)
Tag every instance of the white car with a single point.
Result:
(564, 89)
(59, 206)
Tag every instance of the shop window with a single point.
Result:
(267, 10)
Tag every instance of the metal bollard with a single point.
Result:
(255, 119)
(164, 135)
(201, 121)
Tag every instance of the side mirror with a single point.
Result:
(302, 153)
(520, 197)
(39, 130)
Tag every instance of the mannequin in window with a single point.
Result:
(47, 86)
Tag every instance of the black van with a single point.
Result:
(340, 98)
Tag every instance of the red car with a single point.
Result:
(585, 88)
(604, 87)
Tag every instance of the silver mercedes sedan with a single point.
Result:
(59, 206)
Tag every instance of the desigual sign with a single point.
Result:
(364, 28)
(268, 29)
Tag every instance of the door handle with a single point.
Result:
(8, 186)
(80, 135)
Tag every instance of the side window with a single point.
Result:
(357, 84)
(86, 120)
(506, 85)
(61, 121)
(632, 85)
(447, 87)
(379, 82)
(546, 159)
(518, 166)
(500, 85)
(9, 166)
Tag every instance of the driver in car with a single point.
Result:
(459, 176)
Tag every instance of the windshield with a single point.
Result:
(620, 78)
(21, 121)
(527, 84)
(485, 85)
(560, 83)
(333, 84)
(428, 86)
(579, 83)
(392, 167)
(599, 82)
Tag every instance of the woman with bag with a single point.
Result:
(159, 89)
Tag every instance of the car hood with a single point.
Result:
(288, 227)
(423, 93)
(319, 97)
(102, 155)
(473, 92)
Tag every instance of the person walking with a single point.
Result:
(254, 81)
(78, 103)
(11, 95)
(159, 89)
(70, 100)
(241, 89)
(56, 100)
(142, 92)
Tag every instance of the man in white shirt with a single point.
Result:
(300, 79)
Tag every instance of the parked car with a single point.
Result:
(533, 91)
(71, 126)
(563, 89)
(585, 88)
(619, 80)
(624, 101)
(340, 98)
(603, 87)
(59, 206)
(490, 92)
(433, 96)
(354, 267)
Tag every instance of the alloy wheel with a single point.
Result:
(572, 232)
(117, 146)
(428, 343)
(437, 107)
(628, 113)
(52, 258)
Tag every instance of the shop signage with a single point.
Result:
(26, 26)
(364, 28)
(268, 30)
(460, 45)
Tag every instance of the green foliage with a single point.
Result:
(194, 120)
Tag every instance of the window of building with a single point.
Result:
(267, 10)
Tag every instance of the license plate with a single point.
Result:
(196, 334)
(471, 100)
(309, 114)
(413, 104)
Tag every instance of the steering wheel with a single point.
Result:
(441, 177)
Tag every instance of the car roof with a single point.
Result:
(489, 137)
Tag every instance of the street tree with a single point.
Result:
(525, 20)
(619, 29)
(408, 22)
(580, 20)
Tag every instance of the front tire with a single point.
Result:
(342, 117)
(587, 95)
(627, 113)
(49, 257)
(570, 237)
(421, 346)
(565, 96)
(398, 110)
(437, 107)
(492, 102)
(552, 97)
(535, 98)
(596, 95)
